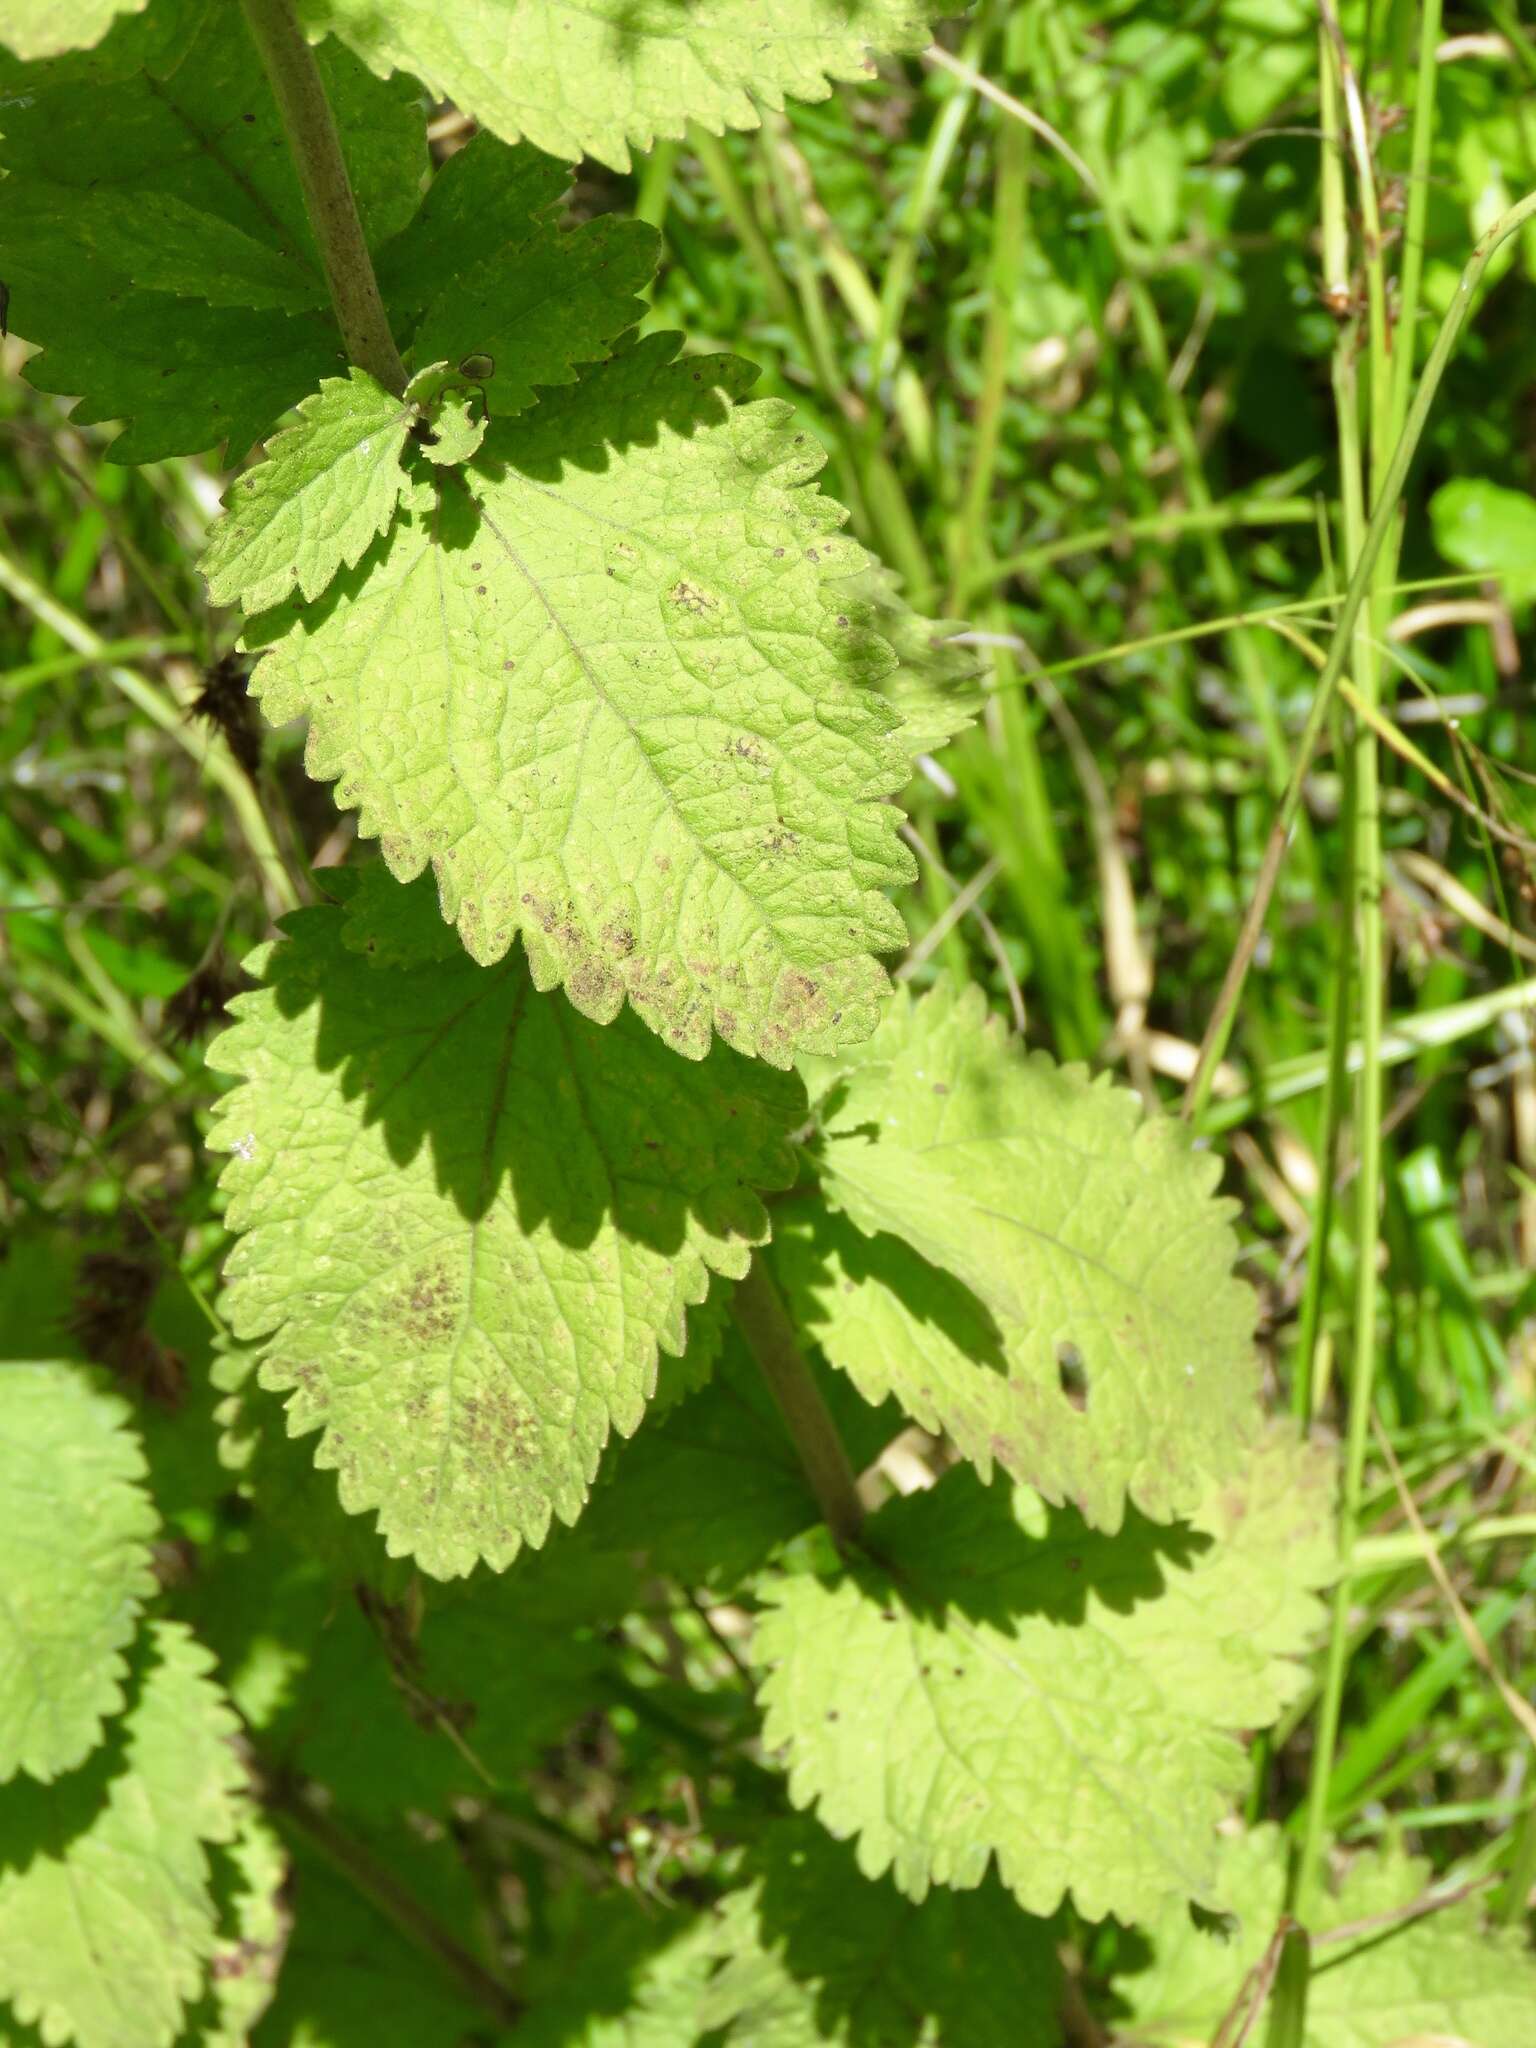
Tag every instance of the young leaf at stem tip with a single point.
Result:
(328, 487)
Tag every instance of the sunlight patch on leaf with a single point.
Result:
(46, 28)
(1073, 1316)
(470, 1218)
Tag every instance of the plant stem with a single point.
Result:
(764, 1322)
(389, 1897)
(1361, 584)
(316, 148)
(211, 753)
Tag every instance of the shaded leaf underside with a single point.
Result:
(151, 175)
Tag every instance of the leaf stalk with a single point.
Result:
(310, 127)
(764, 1323)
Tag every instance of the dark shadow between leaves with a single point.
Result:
(587, 1124)
(960, 1547)
(44, 1820)
(708, 1491)
(883, 1968)
(806, 1240)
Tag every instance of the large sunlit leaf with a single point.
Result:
(107, 1915)
(1008, 1683)
(599, 77)
(74, 1563)
(1434, 1978)
(469, 1219)
(607, 682)
(1073, 1316)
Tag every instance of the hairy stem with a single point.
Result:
(316, 147)
(764, 1322)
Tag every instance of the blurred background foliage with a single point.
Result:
(1058, 301)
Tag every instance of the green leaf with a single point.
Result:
(1442, 1976)
(182, 376)
(616, 1975)
(1483, 526)
(107, 1916)
(453, 422)
(74, 1563)
(471, 1218)
(132, 196)
(44, 28)
(253, 1934)
(349, 1979)
(498, 277)
(139, 39)
(112, 281)
(811, 1951)
(596, 78)
(606, 684)
(1009, 1682)
(329, 486)
(707, 1492)
(185, 184)
(409, 1704)
(1077, 1320)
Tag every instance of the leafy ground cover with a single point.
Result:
(440, 1244)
